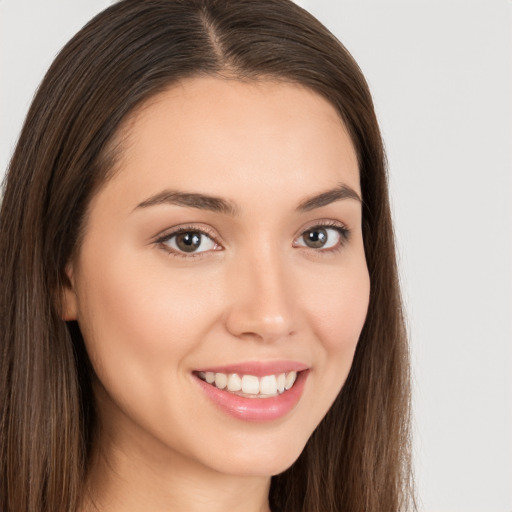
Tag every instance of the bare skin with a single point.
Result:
(277, 273)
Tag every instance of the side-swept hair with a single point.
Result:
(358, 459)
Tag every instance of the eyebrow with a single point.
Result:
(224, 206)
(191, 200)
(342, 191)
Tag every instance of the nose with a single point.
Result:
(262, 305)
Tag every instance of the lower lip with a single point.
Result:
(256, 409)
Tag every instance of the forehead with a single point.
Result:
(221, 136)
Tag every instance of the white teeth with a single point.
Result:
(266, 386)
(290, 380)
(281, 379)
(250, 384)
(234, 382)
(221, 380)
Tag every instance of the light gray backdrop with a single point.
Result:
(440, 72)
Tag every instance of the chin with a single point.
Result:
(262, 457)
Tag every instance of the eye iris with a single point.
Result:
(315, 238)
(189, 241)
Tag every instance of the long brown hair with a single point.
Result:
(358, 459)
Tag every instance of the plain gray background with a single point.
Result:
(441, 75)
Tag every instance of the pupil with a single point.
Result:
(188, 242)
(316, 238)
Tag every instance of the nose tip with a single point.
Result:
(262, 307)
(248, 323)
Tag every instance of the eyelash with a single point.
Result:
(342, 230)
(162, 240)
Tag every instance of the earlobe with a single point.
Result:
(68, 297)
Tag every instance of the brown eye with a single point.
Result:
(315, 238)
(189, 242)
(322, 237)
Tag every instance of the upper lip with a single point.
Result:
(257, 368)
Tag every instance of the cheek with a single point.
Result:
(140, 328)
(338, 312)
(339, 309)
(132, 310)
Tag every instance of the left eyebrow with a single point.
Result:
(330, 196)
(191, 200)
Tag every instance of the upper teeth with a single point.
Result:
(268, 385)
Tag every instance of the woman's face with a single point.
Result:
(227, 247)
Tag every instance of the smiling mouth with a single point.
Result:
(250, 386)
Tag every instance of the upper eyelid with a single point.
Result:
(323, 223)
(183, 228)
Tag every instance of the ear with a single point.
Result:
(68, 298)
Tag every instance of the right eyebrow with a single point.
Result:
(342, 191)
(191, 200)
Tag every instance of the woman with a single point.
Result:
(200, 308)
